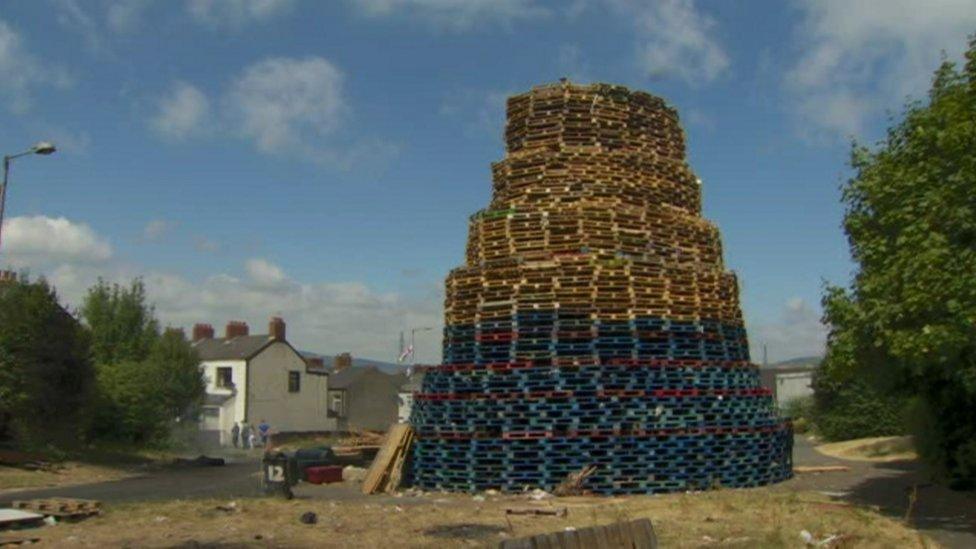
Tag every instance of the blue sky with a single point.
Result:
(319, 160)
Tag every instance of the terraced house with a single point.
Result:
(250, 378)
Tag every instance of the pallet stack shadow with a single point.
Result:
(594, 321)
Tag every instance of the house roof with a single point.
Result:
(349, 376)
(235, 348)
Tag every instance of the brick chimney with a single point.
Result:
(236, 328)
(315, 362)
(202, 331)
(341, 362)
(276, 328)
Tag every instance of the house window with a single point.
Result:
(294, 382)
(335, 404)
(225, 377)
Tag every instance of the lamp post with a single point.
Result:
(413, 342)
(42, 147)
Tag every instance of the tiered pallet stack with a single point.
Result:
(594, 322)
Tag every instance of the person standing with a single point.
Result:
(247, 436)
(235, 434)
(264, 429)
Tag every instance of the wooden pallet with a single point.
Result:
(61, 507)
(635, 534)
(385, 473)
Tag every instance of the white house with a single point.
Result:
(250, 378)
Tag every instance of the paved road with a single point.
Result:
(947, 516)
(236, 479)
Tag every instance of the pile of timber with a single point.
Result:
(386, 471)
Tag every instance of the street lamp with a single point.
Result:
(413, 346)
(42, 147)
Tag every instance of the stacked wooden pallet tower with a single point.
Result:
(594, 322)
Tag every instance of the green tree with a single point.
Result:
(907, 325)
(123, 325)
(45, 365)
(145, 380)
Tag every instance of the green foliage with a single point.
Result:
(146, 380)
(45, 366)
(907, 326)
(123, 326)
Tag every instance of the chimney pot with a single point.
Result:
(202, 331)
(236, 328)
(341, 362)
(276, 328)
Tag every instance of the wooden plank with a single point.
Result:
(393, 446)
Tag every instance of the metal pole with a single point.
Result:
(3, 194)
(413, 347)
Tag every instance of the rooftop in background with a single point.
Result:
(236, 348)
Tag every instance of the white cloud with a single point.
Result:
(675, 39)
(236, 13)
(265, 274)
(323, 316)
(156, 229)
(860, 58)
(797, 332)
(39, 241)
(481, 112)
(206, 245)
(294, 107)
(23, 72)
(125, 16)
(456, 15)
(182, 112)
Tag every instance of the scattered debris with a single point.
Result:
(309, 518)
(351, 473)
(62, 508)
(229, 508)
(17, 518)
(573, 484)
(800, 469)
(160, 518)
(387, 468)
(553, 511)
(491, 492)
(812, 541)
(324, 474)
(636, 533)
(200, 461)
(26, 460)
(6, 541)
(479, 498)
(539, 494)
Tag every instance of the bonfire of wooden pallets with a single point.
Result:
(593, 321)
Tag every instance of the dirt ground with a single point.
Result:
(64, 474)
(733, 518)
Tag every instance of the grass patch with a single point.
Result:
(727, 518)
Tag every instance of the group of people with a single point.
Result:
(243, 435)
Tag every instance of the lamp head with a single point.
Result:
(43, 147)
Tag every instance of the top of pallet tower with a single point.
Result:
(568, 117)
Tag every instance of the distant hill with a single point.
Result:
(388, 367)
(800, 362)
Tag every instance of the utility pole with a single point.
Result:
(44, 148)
(413, 342)
(765, 356)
